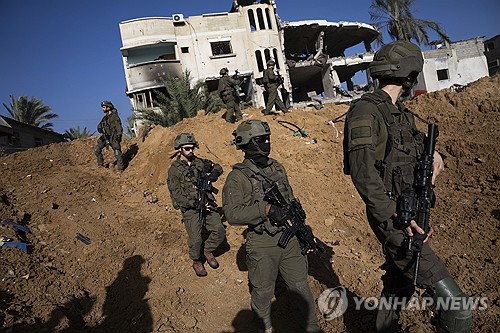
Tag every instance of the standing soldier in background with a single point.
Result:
(244, 205)
(111, 131)
(226, 90)
(382, 147)
(271, 83)
(184, 185)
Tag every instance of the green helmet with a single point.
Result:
(396, 60)
(223, 71)
(270, 62)
(249, 129)
(185, 139)
(108, 104)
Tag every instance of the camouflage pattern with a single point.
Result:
(271, 85)
(227, 93)
(111, 129)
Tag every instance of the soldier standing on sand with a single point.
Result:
(111, 131)
(183, 182)
(271, 83)
(382, 147)
(227, 93)
(244, 205)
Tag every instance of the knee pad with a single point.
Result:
(118, 153)
(451, 307)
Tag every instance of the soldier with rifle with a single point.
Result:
(111, 131)
(271, 82)
(190, 181)
(257, 194)
(227, 93)
(394, 167)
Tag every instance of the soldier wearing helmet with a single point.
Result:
(111, 131)
(227, 93)
(244, 205)
(381, 150)
(187, 177)
(271, 82)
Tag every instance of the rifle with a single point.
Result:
(297, 222)
(206, 190)
(416, 202)
(237, 88)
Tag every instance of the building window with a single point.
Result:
(221, 48)
(260, 63)
(275, 54)
(14, 139)
(38, 142)
(267, 55)
(442, 74)
(268, 16)
(143, 100)
(494, 63)
(251, 19)
(489, 46)
(261, 19)
(185, 49)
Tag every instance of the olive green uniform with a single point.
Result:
(243, 204)
(111, 129)
(381, 149)
(271, 85)
(182, 184)
(227, 93)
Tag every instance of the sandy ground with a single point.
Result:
(136, 276)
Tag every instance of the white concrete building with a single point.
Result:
(459, 63)
(310, 55)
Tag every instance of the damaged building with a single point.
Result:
(310, 55)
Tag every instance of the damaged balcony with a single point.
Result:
(315, 53)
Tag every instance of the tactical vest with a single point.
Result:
(189, 179)
(403, 148)
(261, 181)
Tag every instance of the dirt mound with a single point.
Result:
(135, 275)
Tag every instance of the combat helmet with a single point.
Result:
(185, 139)
(270, 62)
(108, 104)
(250, 129)
(396, 60)
(223, 71)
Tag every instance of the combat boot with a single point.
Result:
(199, 269)
(212, 262)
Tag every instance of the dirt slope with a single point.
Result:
(135, 276)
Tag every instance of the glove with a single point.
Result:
(278, 215)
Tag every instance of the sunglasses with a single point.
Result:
(262, 139)
(188, 148)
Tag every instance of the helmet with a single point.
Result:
(270, 62)
(185, 139)
(223, 71)
(397, 59)
(108, 104)
(249, 129)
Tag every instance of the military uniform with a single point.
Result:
(182, 184)
(111, 129)
(227, 93)
(382, 147)
(271, 84)
(243, 204)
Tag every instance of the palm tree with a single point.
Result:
(31, 112)
(180, 101)
(75, 133)
(397, 18)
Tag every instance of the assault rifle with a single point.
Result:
(297, 222)
(416, 202)
(206, 190)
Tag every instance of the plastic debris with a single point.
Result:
(83, 238)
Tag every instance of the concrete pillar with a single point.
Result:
(328, 81)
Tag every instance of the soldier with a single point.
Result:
(111, 129)
(184, 186)
(381, 150)
(226, 90)
(244, 205)
(271, 83)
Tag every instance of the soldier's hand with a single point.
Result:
(438, 166)
(414, 227)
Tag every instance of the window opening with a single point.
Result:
(442, 74)
(275, 54)
(251, 19)
(260, 64)
(268, 16)
(220, 48)
(261, 19)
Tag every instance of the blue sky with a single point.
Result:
(67, 53)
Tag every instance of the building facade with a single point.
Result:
(492, 53)
(308, 54)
